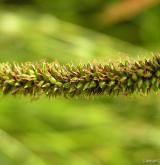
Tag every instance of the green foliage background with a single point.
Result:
(99, 131)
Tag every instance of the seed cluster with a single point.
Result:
(53, 79)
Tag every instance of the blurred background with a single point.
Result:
(80, 131)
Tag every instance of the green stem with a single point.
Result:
(53, 79)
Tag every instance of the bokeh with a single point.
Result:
(104, 130)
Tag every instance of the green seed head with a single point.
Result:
(53, 79)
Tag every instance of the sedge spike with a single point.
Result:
(53, 79)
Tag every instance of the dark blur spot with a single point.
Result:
(17, 2)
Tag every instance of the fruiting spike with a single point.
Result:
(53, 79)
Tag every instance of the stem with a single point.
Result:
(53, 79)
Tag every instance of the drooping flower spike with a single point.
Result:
(53, 79)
